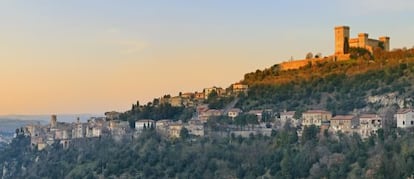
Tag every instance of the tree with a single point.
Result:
(212, 95)
(286, 165)
(240, 120)
(266, 116)
(184, 134)
(251, 119)
(309, 133)
(309, 55)
(359, 52)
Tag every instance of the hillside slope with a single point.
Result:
(362, 83)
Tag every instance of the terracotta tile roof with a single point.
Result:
(343, 117)
(404, 111)
(288, 113)
(235, 110)
(368, 116)
(318, 111)
(255, 111)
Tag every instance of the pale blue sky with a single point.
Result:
(92, 56)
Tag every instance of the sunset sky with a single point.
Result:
(93, 56)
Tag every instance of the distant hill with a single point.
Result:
(9, 123)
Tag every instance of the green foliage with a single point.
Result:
(358, 52)
(245, 119)
(309, 133)
(156, 112)
(337, 92)
(218, 102)
(217, 123)
(184, 134)
(279, 156)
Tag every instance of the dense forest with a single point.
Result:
(156, 111)
(390, 154)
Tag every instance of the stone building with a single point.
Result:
(234, 112)
(315, 117)
(199, 95)
(343, 41)
(112, 115)
(53, 122)
(369, 124)
(240, 88)
(405, 118)
(175, 130)
(118, 128)
(205, 115)
(188, 95)
(162, 126)
(220, 91)
(258, 113)
(144, 124)
(195, 127)
(343, 123)
(79, 129)
(176, 101)
(286, 116)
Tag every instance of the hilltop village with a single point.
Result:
(207, 121)
(110, 126)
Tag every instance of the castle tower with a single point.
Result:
(53, 121)
(386, 42)
(341, 40)
(362, 40)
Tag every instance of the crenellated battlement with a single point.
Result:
(343, 41)
(342, 44)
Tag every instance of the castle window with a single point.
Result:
(403, 122)
(412, 122)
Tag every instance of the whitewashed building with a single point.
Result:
(234, 112)
(144, 124)
(405, 118)
(288, 116)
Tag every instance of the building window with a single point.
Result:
(412, 122)
(403, 122)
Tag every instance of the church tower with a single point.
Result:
(341, 40)
(53, 122)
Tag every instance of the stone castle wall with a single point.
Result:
(342, 44)
(301, 63)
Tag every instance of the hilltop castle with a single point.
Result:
(342, 44)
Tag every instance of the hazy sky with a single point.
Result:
(93, 56)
